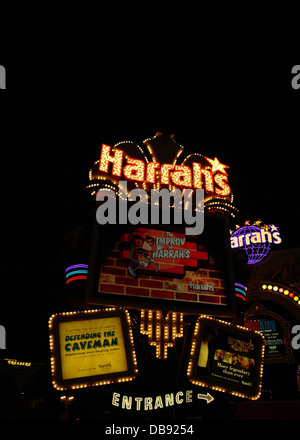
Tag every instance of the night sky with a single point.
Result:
(55, 116)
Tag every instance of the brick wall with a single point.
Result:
(115, 279)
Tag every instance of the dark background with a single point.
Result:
(59, 107)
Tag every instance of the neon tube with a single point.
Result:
(75, 266)
(79, 277)
(84, 271)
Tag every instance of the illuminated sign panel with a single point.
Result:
(161, 268)
(226, 358)
(158, 251)
(255, 240)
(158, 163)
(142, 254)
(91, 348)
(214, 180)
(275, 330)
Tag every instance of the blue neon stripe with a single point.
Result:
(241, 291)
(75, 272)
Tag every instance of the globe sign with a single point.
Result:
(255, 251)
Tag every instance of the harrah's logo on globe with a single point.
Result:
(255, 240)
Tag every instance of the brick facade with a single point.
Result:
(202, 284)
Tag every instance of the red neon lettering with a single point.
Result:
(165, 173)
(116, 160)
(208, 178)
(182, 176)
(209, 183)
(219, 180)
(150, 173)
(197, 175)
(135, 170)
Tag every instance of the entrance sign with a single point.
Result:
(150, 403)
(161, 268)
(227, 358)
(91, 348)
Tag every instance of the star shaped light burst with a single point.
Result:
(216, 165)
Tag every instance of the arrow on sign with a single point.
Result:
(208, 397)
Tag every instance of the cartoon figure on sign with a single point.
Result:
(140, 254)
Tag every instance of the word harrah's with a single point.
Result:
(262, 236)
(179, 175)
(159, 205)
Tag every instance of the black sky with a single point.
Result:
(55, 117)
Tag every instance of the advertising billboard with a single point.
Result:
(161, 268)
(91, 348)
(227, 358)
(275, 330)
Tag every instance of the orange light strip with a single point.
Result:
(162, 333)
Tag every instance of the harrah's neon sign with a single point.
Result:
(255, 240)
(160, 163)
(213, 181)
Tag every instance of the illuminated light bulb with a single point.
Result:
(135, 170)
(286, 292)
(209, 183)
(116, 160)
(219, 179)
(151, 171)
(182, 176)
(165, 173)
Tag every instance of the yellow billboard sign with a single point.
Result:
(91, 348)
